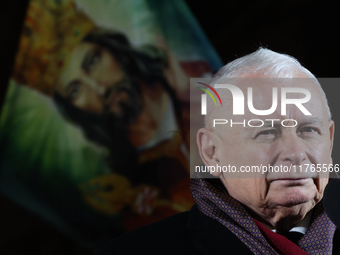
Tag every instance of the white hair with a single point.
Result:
(265, 62)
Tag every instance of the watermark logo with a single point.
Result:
(204, 97)
(238, 99)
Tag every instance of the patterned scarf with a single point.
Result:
(214, 201)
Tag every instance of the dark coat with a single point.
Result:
(186, 233)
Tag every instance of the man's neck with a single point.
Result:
(301, 226)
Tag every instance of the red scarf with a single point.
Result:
(281, 244)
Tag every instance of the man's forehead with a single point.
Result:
(75, 59)
(72, 68)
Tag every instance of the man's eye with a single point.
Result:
(267, 132)
(91, 60)
(310, 130)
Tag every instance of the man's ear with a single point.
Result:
(206, 142)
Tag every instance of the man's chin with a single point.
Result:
(294, 197)
(292, 193)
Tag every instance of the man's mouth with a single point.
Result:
(115, 100)
(116, 97)
(123, 103)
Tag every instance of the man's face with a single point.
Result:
(280, 198)
(94, 81)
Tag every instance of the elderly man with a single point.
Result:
(244, 212)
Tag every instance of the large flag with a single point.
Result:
(94, 132)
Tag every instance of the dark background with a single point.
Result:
(307, 30)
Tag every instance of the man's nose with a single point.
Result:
(293, 149)
(95, 86)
